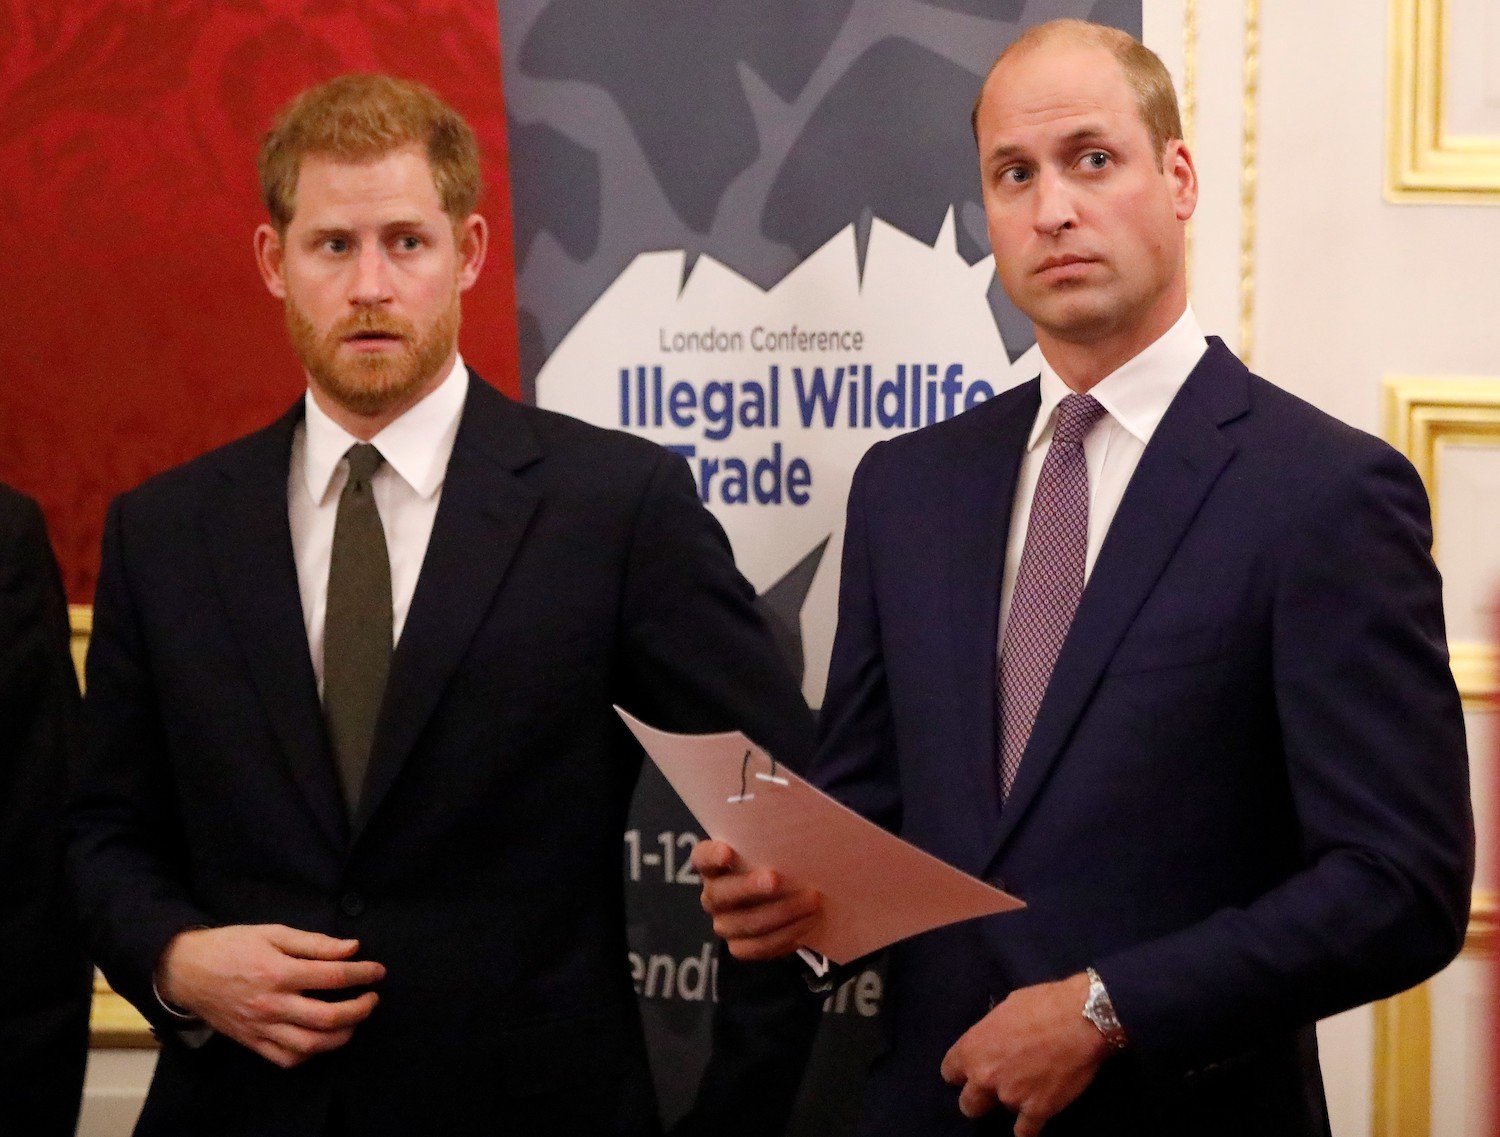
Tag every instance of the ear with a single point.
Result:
(1177, 165)
(269, 255)
(472, 236)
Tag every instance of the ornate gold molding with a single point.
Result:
(1423, 414)
(81, 624)
(1483, 940)
(114, 1024)
(1403, 1038)
(1424, 163)
(1403, 1066)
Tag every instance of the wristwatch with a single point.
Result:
(1098, 1009)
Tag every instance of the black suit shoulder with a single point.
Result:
(601, 454)
(17, 512)
(182, 486)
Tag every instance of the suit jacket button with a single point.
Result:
(352, 904)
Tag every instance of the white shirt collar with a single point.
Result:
(1137, 393)
(417, 445)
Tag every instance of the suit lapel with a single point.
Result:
(249, 542)
(481, 519)
(982, 494)
(1184, 458)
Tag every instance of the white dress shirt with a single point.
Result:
(408, 485)
(1134, 397)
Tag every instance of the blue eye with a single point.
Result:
(336, 245)
(1096, 159)
(1015, 175)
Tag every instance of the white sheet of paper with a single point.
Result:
(876, 888)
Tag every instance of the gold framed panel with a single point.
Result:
(1424, 162)
(113, 1023)
(81, 625)
(1403, 1038)
(1422, 414)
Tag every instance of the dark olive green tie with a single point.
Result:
(357, 630)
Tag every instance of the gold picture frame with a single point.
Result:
(1403, 1038)
(1424, 162)
(113, 1023)
(1423, 414)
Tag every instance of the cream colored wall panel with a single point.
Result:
(1464, 1003)
(1484, 776)
(1344, 1043)
(1350, 286)
(1472, 87)
(1217, 147)
(114, 1090)
(1468, 491)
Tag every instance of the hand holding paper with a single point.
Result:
(755, 912)
(875, 888)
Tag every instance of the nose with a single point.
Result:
(372, 277)
(1055, 208)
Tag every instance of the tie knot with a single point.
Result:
(363, 460)
(1076, 416)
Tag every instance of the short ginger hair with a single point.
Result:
(362, 118)
(1147, 75)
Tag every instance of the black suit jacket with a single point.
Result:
(1245, 798)
(569, 568)
(47, 983)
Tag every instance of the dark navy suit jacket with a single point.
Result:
(1245, 800)
(569, 568)
(47, 985)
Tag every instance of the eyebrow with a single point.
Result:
(397, 223)
(1088, 132)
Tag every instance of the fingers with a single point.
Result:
(323, 1017)
(952, 1068)
(329, 975)
(289, 1045)
(772, 921)
(976, 1100)
(1028, 1124)
(712, 859)
(305, 1027)
(275, 1052)
(782, 941)
(730, 891)
(308, 945)
(755, 912)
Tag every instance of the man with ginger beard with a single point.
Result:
(347, 825)
(1154, 645)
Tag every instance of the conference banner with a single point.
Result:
(753, 234)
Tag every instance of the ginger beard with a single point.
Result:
(369, 383)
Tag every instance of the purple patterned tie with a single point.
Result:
(1049, 582)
